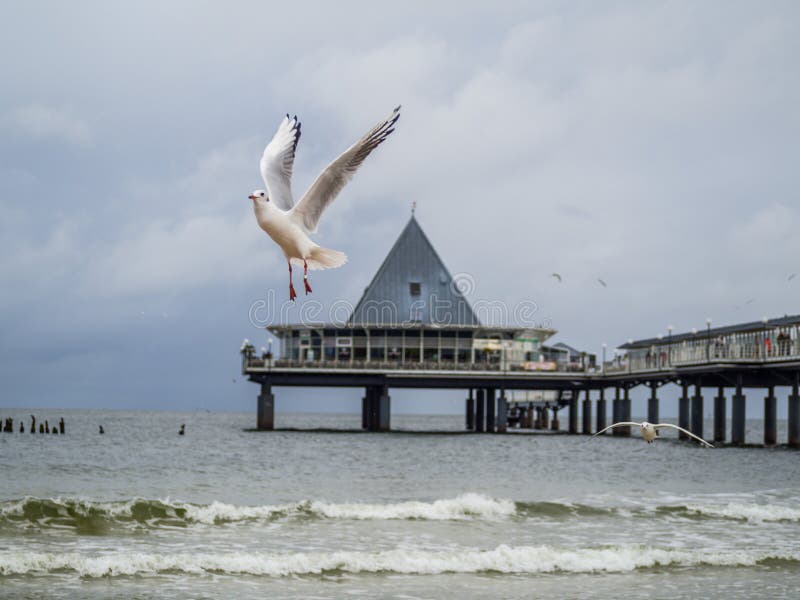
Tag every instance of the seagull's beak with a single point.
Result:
(252, 197)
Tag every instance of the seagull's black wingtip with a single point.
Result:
(397, 109)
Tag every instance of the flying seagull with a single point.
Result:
(650, 430)
(603, 283)
(557, 276)
(290, 224)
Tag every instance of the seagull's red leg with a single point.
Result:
(292, 294)
(305, 277)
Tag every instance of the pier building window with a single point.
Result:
(415, 288)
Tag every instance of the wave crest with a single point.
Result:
(503, 559)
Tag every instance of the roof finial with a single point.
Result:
(413, 207)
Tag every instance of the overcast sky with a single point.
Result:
(650, 144)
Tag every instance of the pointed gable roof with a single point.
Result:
(413, 285)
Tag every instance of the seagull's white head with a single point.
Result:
(259, 196)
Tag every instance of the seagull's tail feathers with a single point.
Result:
(325, 258)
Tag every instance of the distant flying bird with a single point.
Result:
(792, 276)
(603, 283)
(288, 224)
(650, 430)
(750, 301)
(557, 276)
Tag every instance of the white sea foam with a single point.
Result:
(503, 559)
(756, 513)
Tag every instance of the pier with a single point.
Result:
(399, 337)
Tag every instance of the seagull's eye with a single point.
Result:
(261, 194)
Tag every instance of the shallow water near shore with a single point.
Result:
(225, 512)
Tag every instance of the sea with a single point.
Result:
(426, 511)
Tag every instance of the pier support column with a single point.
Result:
(555, 424)
(384, 402)
(794, 413)
(697, 411)
(470, 412)
(491, 408)
(480, 410)
(573, 412)
(738, 415)
(601, 410)
(587, 414)
(502, 413)
(266, 408)
(625, 407)
(652, 404)
(616, 411)
(770, 418)
(545, 417)
(719, 415)
(683, 411)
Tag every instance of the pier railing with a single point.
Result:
(665, 358)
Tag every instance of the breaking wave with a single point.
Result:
(96, 517)
(503, 559)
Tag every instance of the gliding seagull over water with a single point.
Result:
(289, 224)
(650, 430)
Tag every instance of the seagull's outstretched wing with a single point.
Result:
(689, 433)
(620, 424)
(331, 181)
(277, 161)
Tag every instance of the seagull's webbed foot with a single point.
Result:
(292, 293)
(308, 287)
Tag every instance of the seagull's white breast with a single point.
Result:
(285, 232)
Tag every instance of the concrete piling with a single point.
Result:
(719, 415)
(616, 412)
(573, 412)
(770, 418)
(502, 413)
(266, 408)
(794, 413)
(683, 411)
(697, 411)
(738, 415)
(480, 410)
(587, 414)
(601, 410)
(652, 404)
(491, 410)
(470, 420)
(626, 411)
